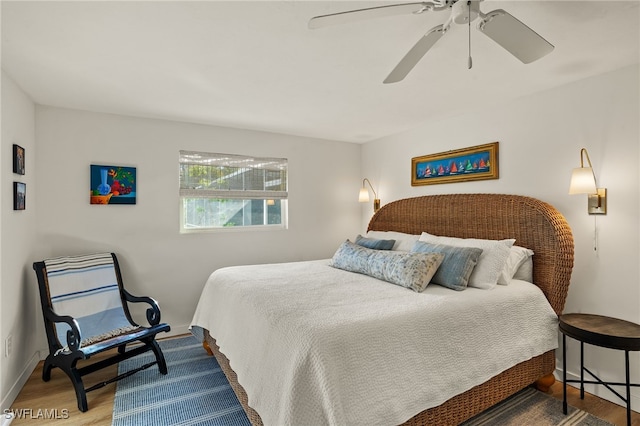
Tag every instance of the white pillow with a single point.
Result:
(517, 256)
(490, 263)
(404, 242)
(525, 271)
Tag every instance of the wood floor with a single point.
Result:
(57, 397)
(599, 407)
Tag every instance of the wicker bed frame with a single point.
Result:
(533, 223)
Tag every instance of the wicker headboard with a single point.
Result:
(533, 223)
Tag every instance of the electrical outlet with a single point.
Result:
(8, 346)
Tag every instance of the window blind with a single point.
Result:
(229, 176)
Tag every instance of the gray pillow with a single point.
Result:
(410, 270)
(374, 243)
(458, 263)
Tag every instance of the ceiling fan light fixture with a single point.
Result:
(464, 12)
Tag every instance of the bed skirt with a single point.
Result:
(452, 412)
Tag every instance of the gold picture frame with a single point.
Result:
(478, 162)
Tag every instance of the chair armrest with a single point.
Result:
(73, 335)
(153, 313)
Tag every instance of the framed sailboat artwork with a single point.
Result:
(473, 163)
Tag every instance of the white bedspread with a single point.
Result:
(314, 345)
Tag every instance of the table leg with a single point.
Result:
(564, 373)
(581, 370)
(626, 366)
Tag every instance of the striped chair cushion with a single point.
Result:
(86, 288)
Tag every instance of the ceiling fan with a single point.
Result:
(503, 28)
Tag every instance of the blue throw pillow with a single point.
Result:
(458, 263)
(374, 243)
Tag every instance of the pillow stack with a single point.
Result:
(413, 261)
(490, 263)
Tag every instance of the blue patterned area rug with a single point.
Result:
(196, 392)
(531, 407)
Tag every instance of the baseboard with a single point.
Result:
(6, 419)
(17, 387)
(601, 391)
(176, 330)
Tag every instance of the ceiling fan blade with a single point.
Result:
(517, 38)
(414, 55)
(368, 13)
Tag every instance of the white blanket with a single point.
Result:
(314, 345)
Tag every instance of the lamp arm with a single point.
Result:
(586, 153)
(371, 186)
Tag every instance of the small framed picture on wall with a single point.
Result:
(19, 195)
(18, 159)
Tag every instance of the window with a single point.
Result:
(221, 191)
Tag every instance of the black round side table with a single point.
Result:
(600, 331)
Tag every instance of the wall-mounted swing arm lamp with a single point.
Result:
(583, 181)
(364, 195)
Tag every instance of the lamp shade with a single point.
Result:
(583, 181)
(363, 197)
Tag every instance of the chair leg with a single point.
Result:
(81, 395)
(162, 364)
(69, 367)
(46, 369)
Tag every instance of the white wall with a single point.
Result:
(18, 288)
(156, 259)
(540, 139)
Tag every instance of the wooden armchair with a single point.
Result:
(85, 310)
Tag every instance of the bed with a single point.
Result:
(533, 224)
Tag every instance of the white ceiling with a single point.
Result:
(256, 65)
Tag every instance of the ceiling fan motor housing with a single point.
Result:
(465, 11)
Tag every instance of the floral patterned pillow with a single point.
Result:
(410, 270)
